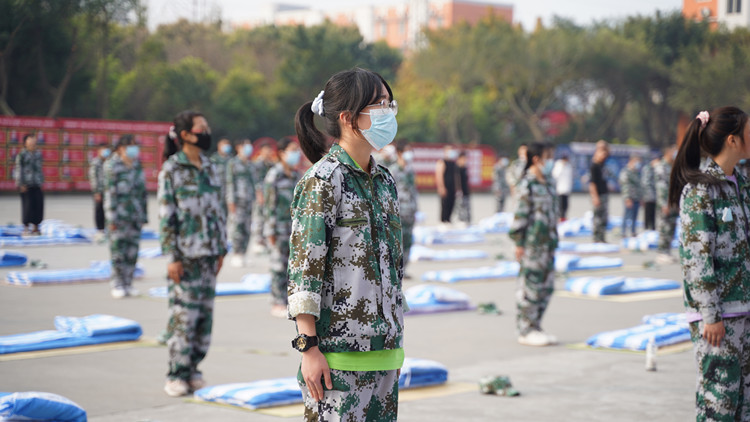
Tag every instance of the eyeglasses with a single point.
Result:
(382, 107)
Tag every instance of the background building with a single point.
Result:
(399, 25)
(729, 13)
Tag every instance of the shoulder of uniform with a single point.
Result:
(325, 167)
(386, 172)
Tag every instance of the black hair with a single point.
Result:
(283, 143)
(462, 153)
(349, 90)
(182, 121)
(401, 145)
(710, 140)
(27, 136)
(534, 150)
(125, 140)
(243, 141)
(102, 145)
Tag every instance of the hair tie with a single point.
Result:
(172, 133)
(703, 117)
(317, 105)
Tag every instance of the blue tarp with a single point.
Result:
(425, 298)
(665, 328)
(617, 285)
(12, 259)
(72, 332)
(99, 270)
(38, 406)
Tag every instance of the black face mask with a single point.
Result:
(204, 141)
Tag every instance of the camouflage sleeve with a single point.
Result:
(18, 170)
(521, 217)
(313, 217)
(622, 179)
(662, 185)
(269, 207)
(93, 180)
(229, 183)
(168, 229)
(697, 245)
(110, 194)
(144, 195)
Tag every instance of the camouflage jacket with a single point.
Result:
(28, 170)
(240, 183)
(261, 170)
(535, 220)
(96, 175)
(406, 186)
(221, 162)
(714, 247)
(662, 171)
(345, 263)
(278, 191)
(192, 218)
(630, 184)
(514, 172)
(499, 180)
(125, 195)
(648, 183)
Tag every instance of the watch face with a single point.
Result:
(301, 343)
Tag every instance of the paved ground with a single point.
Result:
(557, 383)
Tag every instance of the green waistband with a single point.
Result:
(376, 360)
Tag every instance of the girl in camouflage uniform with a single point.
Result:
(278, 191)
(125, 211)
(346, 263)
(534, 231)
(714, 203)
(193, 235)
(240, 198)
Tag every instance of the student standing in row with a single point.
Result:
(96, 180)
(500, 186)
(346, 264)
(648, 193)
(599, 191)
(406, 185)
(29, 180)
(714, 203)
(667, 213)
(126, 211)
(193, 236)
(240, 197)
(630, 190)
(534, 231)
(562, 174)
(278, 192)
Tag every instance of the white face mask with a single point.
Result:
(408, 156)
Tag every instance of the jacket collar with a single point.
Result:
(344, 158)
(713, 169)
(183, 160)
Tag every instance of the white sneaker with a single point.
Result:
(132, 291)
(118, 293)
(237, 261)
(552, 339)
(664, 258)
(176, 388)
(534, 338)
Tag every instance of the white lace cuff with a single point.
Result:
(304, 303)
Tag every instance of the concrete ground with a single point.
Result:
(557, 383)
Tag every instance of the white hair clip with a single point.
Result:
(172, 133)
(317, 105)
(703, 117)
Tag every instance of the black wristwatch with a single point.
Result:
(304, 342)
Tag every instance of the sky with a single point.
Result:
(525, 11)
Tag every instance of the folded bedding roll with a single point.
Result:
(39, 406)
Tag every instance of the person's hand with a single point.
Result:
(665, 210)
(628, 203)
(98, 197)
(221, 264)
(232, 208)
(714, 333)
(596, 201)
(315, 366)
(519, 252)
(22, 188)
(112, 227)
(271, 240)
(175, 271)
(442, 192)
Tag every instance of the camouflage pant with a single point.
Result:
(667, 225)
(464, 209)
(279, 266)
(500, 201)
(241, 226)
(723, 387)
(257, 224)
(357, 396)
(535, 287)
(123, 249)
(601, 217)
(407, 239)
(191, 307)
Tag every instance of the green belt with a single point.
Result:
(376, 360)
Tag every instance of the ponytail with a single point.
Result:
(311, 140)
(534, 150)
(706, 134)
